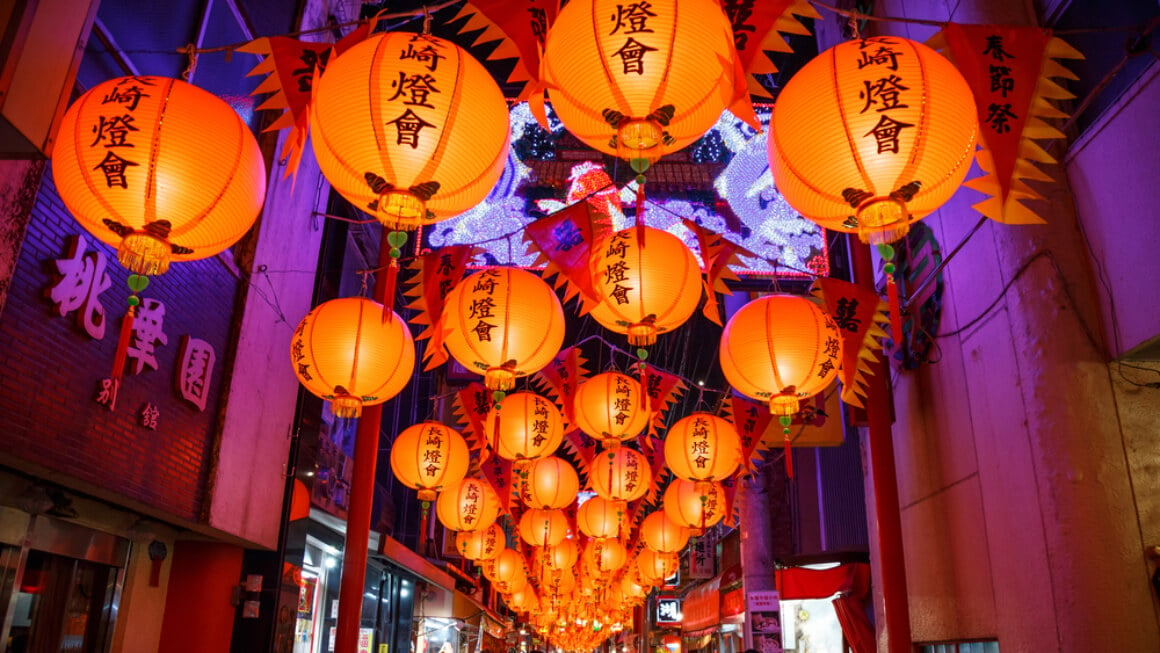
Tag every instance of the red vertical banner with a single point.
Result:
(435, 274)
(524, 24)
(751, 419)
(662, 389)
(1008, 69)
(564, 241)
(858, 312)
(560, 378)
(498, 473)
(717, 254)
(472, 404)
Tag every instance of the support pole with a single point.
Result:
(886, 528)
(362, 497)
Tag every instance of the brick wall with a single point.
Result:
(52, 371)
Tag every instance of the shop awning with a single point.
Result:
(702, 607)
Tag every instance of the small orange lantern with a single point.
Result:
(484, 544)
(429, 456)
(524, 600)
(503, 323)
(694, 505)
(639, 80)
(648, 282)
(543, 527)
(610, 407)
(658, 566)
(344, 351)
(469, 505)
(620, 474)
(872, 135)
(782, 348)
(562, 555)
(505, 566)
(549, 483)
(159, 169)
(409, 128)
(702, 447)
(531, 428)
(605, 556)
(631, 589)
(662, 534)
(598, 517)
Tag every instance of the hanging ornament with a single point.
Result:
(532, 427)
(610, 407)
(662, 534)
(469, 505)
(549, 483)
(702, 447)
(543, 527)
(599, 517)
(484, 544)
(620, 474)
(694, 505)
(429, 456)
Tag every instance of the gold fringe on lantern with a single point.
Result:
(786, 403)
(500, 378)
(400, 210)
(142, 253)
(345, 404)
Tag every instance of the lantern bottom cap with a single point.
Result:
(499, 378)
(346, 406)
(400, 210)
(144, 254)
(882, 220)
(783, 405)
(642, 334)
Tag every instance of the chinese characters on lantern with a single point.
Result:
(539, 421)
(115, 131)
(482, 303)
(469, 508)
(883, 93)
(622, 400)
(414, 91)
(632, 20)
(699, 444)
(433, 451)
(999, 113)
(631, 473)
(614, 274)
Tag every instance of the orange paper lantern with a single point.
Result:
(781, 348)
(504, 566)
(549, 483)
(621, 474)
(469, 505)
(428, 456)
(695, 505)
(531, 427)
(644, 289)
(159, 169)
(543, 527)
(639, 80)
(484, 544)
(598, 517)
(662, 534)
(657, 566)
(409, 128)
(604, 556)
(872, 135)
(610, 407)
(702, 447)
(503, 323)
(562, 555)
(345, 352)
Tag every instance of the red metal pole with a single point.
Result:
(362, 497)
(887, 526)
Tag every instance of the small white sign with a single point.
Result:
(764, 601)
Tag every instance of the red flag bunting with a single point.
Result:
(472, 404)
(731, 486)
(524, 27)
(663, 389)
(560, 378)
(656, 460)
(858, 313)
(717, 254)
(751, 419)
(436, 273)
(498, 472)
(564, 241)
(756, 27)
(584, 446)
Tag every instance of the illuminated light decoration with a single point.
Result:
(532, 427)
(702, 447)
(482, 544)
(429, 456)
(656, 565)
(503, 323)
(647, 281)
(548, 483)
(409, 128)
(504, 566)
(160, 169)
(610, 407)
(872, 135)
(662, 534)
(343, 351)
(631, 589)
(634, 80)
(469, 505)
(524, 600)
(604, 556)
(562, 555)
(694, 505)
(599, 517)
(543, 527)
(780, 348)
(620, 474)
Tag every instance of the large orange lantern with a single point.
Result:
(505, 566)
(503, 323)
(782, 348)
(694, 505)
(531, 427)
(647, 283)
(549, 483)
(159, 169)
(409, 128)
(469, 505)
(657, 566)
(543, 527)
(610, 407)
(562, 555)
(345, 352)
(598, 517)
(524, 600)
(429, 456)
(702, 447)
(604, 556)
(872, 135)
(662, 534)
(482, 544)
(620, 474)
(638, 80)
